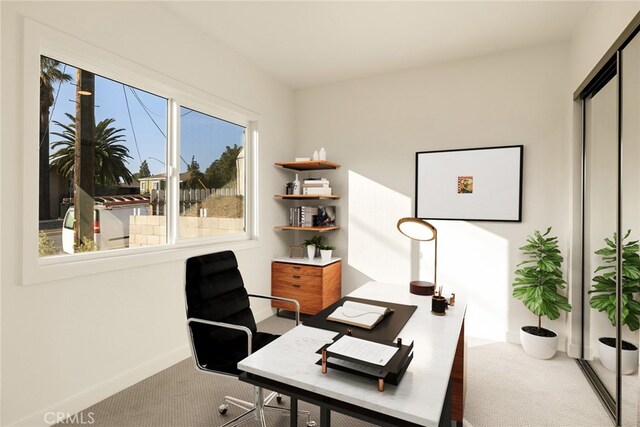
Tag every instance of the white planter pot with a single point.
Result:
(325, 255)
(607, 355)
(311, 251)
(539, 347)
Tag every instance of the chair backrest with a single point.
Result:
(215, 291)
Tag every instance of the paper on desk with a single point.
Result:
(367, 351)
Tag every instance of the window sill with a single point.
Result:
(55, 268)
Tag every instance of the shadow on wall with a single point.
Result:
(471, 260)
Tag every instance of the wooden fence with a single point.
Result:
(188, 198)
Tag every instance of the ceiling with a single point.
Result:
(309, 43)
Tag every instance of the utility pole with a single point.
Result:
(84, 156)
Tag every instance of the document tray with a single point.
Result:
(391, 373)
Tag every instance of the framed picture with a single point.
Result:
(475, 184)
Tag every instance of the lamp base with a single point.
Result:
(418, 287)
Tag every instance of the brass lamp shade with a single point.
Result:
(422, 231)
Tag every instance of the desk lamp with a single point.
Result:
(417, 229)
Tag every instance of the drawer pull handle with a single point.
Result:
(295, 285)
(296, 268)
(296, 276)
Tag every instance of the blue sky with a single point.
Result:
(202, 136)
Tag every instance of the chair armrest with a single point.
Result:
(282, 299)
(222, 325)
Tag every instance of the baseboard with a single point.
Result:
(100, 392)
(265, 313)
(574, 350)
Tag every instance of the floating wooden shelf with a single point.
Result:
(306, 196)
(308, 165)
(318, 229)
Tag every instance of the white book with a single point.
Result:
(358, 314)
(317, 190)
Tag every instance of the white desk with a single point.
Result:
(288, 363)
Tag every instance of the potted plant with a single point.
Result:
(312, 245)
(603, 299)
(325, 252)
(537, 285)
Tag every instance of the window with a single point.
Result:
(103, 156)
(211, 176)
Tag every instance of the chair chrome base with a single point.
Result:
(255, 411)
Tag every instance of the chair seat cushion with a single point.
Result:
(226, 362)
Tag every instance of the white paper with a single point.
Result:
(357, 308)
(367, 351)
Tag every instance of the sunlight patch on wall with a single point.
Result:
(376, 247)
(475, 262)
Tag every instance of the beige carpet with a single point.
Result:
(505, 387)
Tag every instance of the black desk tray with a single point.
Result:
(391, 373)
(387, 330)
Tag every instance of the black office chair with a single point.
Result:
(222, 329)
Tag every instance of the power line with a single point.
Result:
(135, 139)
(144, 107)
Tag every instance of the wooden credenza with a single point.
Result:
(315, 285)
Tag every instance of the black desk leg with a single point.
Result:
(325, 417)
(293, 411)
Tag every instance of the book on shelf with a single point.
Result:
(316, 181)
(323, 191)
(312, 216)
(326, 216)
(358, 314)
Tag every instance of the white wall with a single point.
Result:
(74, 342)
(374, 127)
(599, 28)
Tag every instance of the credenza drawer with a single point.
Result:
(308, 281)
(302, 270)
(310, 302)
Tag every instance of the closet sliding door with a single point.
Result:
(611, 229)
(630, 223)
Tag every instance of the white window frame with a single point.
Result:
(42, 40)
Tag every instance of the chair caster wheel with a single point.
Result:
(311, 424)
(223, 409)
(278, 398)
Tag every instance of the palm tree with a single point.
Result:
(50, 74)
(110, 156)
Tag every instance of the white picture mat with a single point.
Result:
(496, 184)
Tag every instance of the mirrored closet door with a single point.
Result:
(611, 229)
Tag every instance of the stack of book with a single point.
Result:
(312, 216)
(316, 186)
(303, 216)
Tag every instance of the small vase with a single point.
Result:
(325, 255)
(311, 251)
(315, 155)
(296, 186)
(323, 154)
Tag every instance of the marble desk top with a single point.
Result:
(420, 395)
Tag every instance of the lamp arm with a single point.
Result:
(435, 262)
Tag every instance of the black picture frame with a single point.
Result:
(471, 184)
